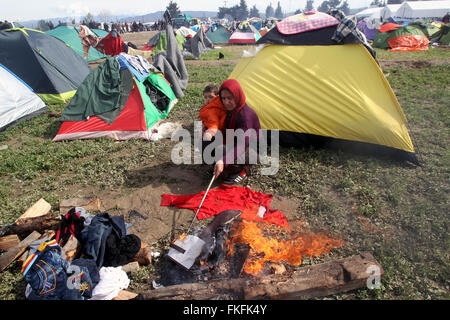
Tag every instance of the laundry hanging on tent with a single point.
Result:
(90, 39)
(306, 22)
(113, 91)
(346, 26)
(227, 197)
(113, 43)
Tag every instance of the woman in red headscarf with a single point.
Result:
(234, 166)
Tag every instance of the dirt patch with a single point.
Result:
(419, 64)
(139, 39)
(143, 190)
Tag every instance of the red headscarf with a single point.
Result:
(234, 87)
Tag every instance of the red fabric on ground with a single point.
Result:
(227, 197)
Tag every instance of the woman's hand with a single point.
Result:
(207, 136)
(218, 168)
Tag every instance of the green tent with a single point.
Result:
(159, 41)
(99, 32)
(442, 36)
(381, 38)
(51, 68)
(69, 35)
(113, 103)
(218, 34)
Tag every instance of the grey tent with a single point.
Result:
(171, 64)
(198, 43)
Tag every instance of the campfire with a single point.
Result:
(274, 244)
(240, 244)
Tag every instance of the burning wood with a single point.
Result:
(323, 279)
(240, 248)
(272, 243)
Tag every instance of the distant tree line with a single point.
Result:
(241, 11)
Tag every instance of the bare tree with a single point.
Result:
(104, 15)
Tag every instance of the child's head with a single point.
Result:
(209, 93)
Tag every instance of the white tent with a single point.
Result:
(17, 100)
(185, 32)
(423, 9)
(389, 11)
(369, 12)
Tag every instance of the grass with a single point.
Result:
(396, 211)
(432, 53)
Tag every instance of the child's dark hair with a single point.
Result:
(211, 88)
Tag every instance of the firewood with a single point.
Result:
(16, 251)
(88, 203)
(125, 295)
(8, 242)
(48, 234)
(71, 249)
(40, 208)
(29, 225)
(323, 279)
(277, 268)
(131, 267)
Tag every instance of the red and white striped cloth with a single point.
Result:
(242, 37)
(305, 22)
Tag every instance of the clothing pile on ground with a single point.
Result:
(106, 245)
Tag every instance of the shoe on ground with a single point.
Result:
(235, 178)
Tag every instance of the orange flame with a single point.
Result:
(180, 238)
(278, 246)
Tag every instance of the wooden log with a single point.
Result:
(48, 234)
(39, 209)
(125, 295)
(8, 242)
(307, 282)
(71, 249)
(15, 252)
(88, 203)
(131, 267)
(29, 225)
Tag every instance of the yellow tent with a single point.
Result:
(336, 91)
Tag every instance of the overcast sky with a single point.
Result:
(13, 10)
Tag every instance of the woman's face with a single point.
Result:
(227, 100)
